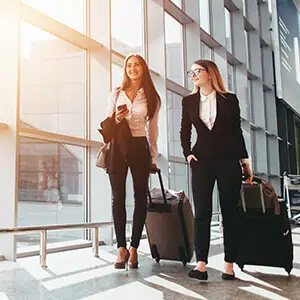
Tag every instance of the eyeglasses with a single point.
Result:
(196, 72)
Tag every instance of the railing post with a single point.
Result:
(43, 248)
(96, 242)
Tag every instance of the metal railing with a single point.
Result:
(45, 228)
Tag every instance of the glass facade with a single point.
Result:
(51, 188)
(228, 29)
(205, 15)
(174, 49)
(127, 36)
(52, 83)
(69, 12)
(70, 55)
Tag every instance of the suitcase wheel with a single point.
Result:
(155, 253)
(182, 255)
(288, 270)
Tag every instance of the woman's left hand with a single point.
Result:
(153, 169)
(247, 172)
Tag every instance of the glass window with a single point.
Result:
(177, 2)
(52, 83)
(174, 49)
(253, 150)
(70, 12)
(174, 117)
(244, 8)
(249, 101)
(127, 26)
(231, 78)
(228, 30)
(179, 179)
(51, 188)
(205, 15)
(247, 48)
(117, 75)
(270, 5)
(207, 52)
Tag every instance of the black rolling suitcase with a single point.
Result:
(170, 225)
(265, 237)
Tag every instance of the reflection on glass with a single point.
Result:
(270, 5)
(177, 2)
(244, 8)
(205, 15)
(228, 30)
(247, 48)
(206, 52)
(127, 26)
(70, 12)
(117, 75)
(179, 179)
(250, 101)
(51, 188)
(52, 83)
(174, 116)
(231, 78)
(174, 49)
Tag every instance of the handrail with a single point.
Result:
(54, 227)
(44, 228)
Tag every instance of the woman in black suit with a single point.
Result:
(219, 154)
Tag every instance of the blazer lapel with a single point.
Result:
(196, 110)
(219, 108)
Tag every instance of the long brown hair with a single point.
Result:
(213, 70)
(153, 99)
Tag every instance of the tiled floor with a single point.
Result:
(78, 275)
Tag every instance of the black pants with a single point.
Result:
(229, 177)
(138, 160)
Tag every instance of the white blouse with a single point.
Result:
(208, 113)
(137, 118)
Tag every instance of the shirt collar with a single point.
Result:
(210, 96)
(140, 91)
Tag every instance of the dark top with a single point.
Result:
(225, 140)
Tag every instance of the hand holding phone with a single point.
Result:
(122, 107)
(121, 112)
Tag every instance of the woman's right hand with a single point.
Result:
(190, 157)
(121, 114)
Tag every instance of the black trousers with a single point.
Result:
(138, 160)
(228, 174)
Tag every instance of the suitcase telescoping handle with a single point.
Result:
(158, 171)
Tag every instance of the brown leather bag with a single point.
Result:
(259, 194)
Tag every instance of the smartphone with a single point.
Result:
(122, 107)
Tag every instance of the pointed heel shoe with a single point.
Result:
(198, 274)
(122, 264)
(133, 264)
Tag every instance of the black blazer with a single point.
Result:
(225, 140)
(118, 135)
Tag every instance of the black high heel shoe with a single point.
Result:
(198, 274)
(122, 264)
